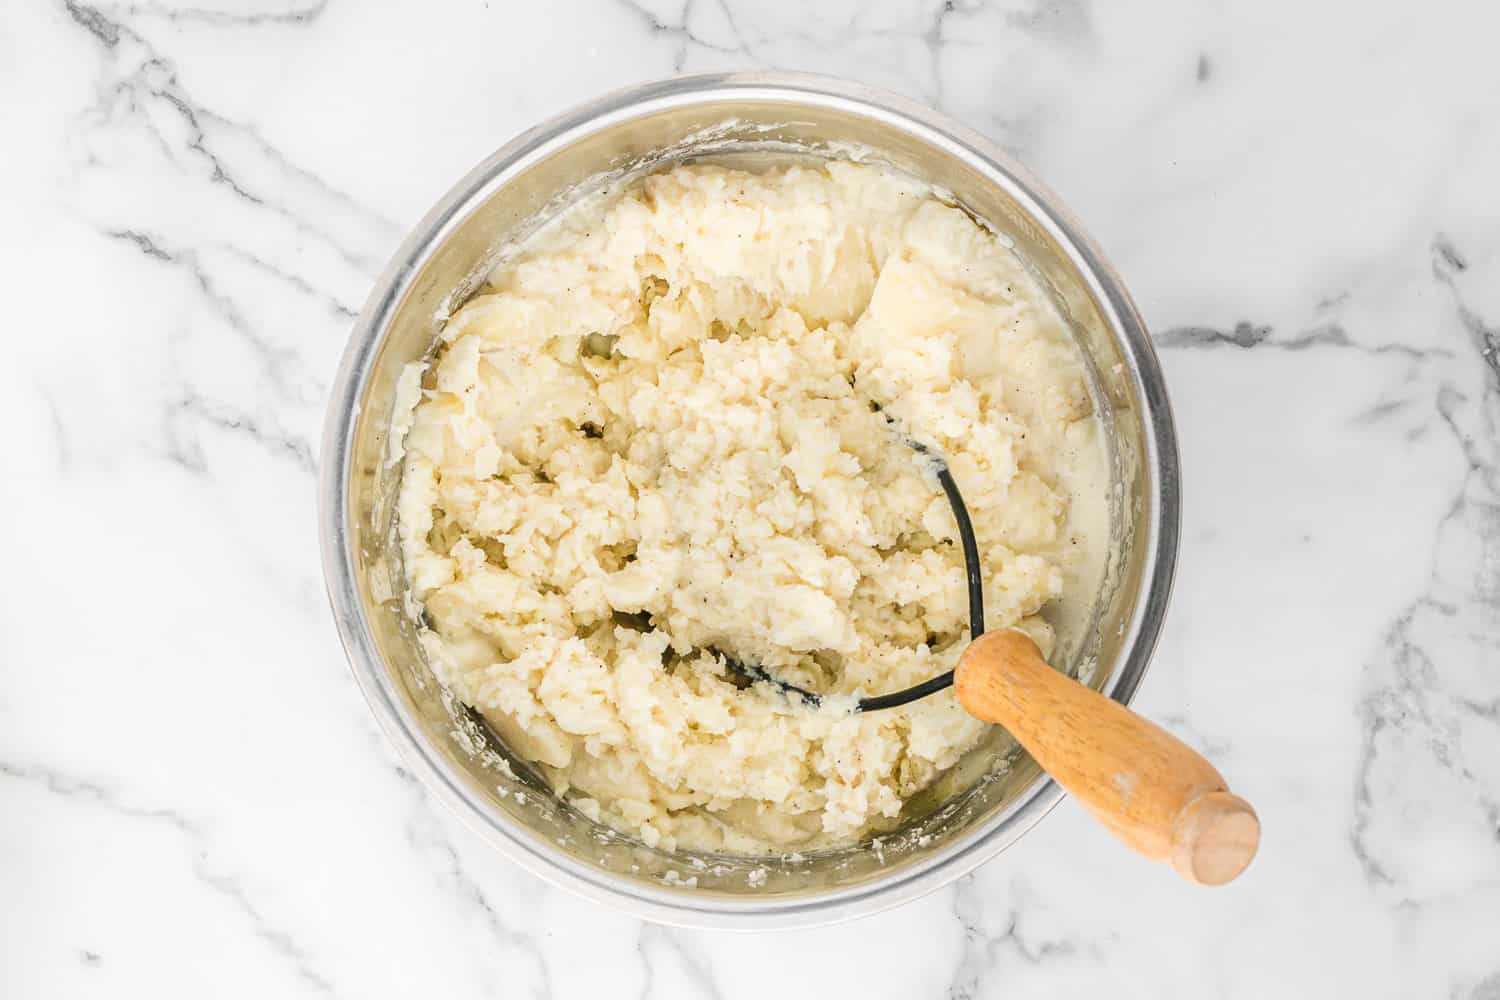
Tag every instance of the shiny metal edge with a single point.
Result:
(718, 912)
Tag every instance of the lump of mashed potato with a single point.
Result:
(661, 437)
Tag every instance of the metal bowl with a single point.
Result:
(997, 793)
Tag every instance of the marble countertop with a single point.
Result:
(194, 800)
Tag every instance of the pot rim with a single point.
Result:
(686, 908)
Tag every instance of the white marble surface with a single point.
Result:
(194, 800)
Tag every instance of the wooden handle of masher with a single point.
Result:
(1151, 790)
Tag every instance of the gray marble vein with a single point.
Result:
(995, 941)
(1430, 692)
(198, 842)
(427, 839)
(294, 13)
(190, 411)
(1245, 336)
(273, 360)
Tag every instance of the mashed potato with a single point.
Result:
(661, 437)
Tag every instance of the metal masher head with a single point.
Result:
(757, 674)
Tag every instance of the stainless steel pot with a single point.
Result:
(997, 793)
